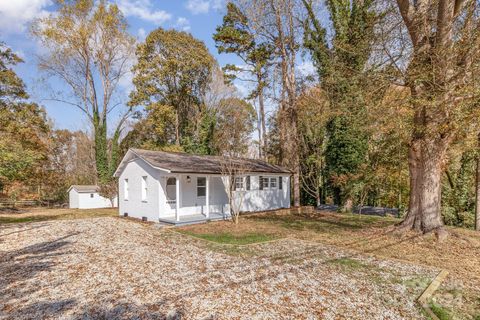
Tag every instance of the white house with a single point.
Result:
(87, 197)
(179, 187)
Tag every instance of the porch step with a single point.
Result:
(193, 219)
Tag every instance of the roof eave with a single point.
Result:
(122, 166)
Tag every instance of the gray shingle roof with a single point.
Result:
(84, 188)
(189, 163)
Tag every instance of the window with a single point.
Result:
(91, 195)
(280, 183)
(201, 186)
(248, 182)
(125, 189)
(273, 183)
(263, 183)
(144, 188)
(238, 183)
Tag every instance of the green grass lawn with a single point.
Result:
(440, 312)
(348, 222)
(229, 238)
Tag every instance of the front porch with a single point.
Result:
(194, 198)
(194, 218)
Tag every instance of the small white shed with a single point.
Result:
(87, 197)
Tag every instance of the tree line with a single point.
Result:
(389, 117)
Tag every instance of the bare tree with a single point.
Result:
(110, 191)
(89, 49)
(235, 183)
(278, 22)
(313, 114)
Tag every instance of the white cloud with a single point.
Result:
(198, 6)
(218, 4)
(142, 34)
(183, 24)
(242, 87)
(306, 68)
(144, 10)
(16, 14)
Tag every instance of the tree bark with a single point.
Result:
(477, 191)
(425, 165)
(431, 190)
(263, 137)
(177, 129)
(411, 221)
(296, 187)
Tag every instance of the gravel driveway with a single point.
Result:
(112, 268)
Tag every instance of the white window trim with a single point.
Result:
(242, 183)
(267, 178)
(270, 183)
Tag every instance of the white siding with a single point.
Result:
(86, 201)
(156, 205)
(134, 205)
(73, 199)
(253, 199)
(267, 199)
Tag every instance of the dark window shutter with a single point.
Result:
(248, 182)
(280, 183)
(260, 183)
(234, 180)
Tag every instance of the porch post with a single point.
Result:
(207, 195)
(177, 198)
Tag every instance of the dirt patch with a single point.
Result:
(235, 229)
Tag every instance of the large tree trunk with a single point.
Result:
(477, 191)
(296, 187)
(263, 133)
(425, 164)
(414, 165)
(101, 150)
(430, 198)
(177, 129)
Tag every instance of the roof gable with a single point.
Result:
(84, 188)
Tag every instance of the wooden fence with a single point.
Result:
(7, 203)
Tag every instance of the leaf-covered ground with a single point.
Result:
(459, 295)
(20, 215)
(113, 268)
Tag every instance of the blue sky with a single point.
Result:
(199, 17)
